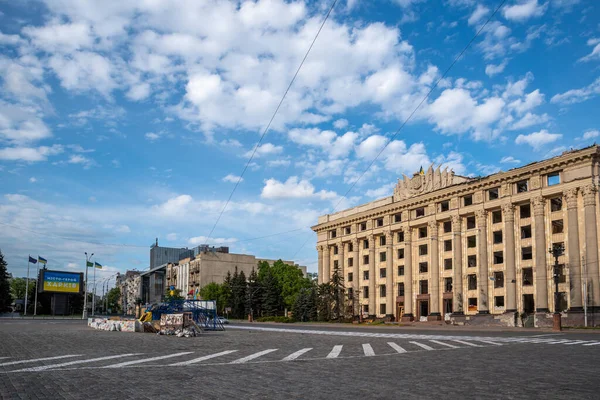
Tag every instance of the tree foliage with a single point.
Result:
(113, 297)
(18, 287)
(217, 292)
(174, 294)
(5, 298)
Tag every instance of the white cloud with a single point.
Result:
(538, 139)
(478, 14)
(139, 92)
(312, 137)
(198, 240)
(232, 178)
(371, 146)
(21, 124)
(524, 10)
(29, 154)
(57, 37)
(556, 151)
(122, 229)
(574, 96)
(265, 150)
(454, 162)
(531, 101)
(293, 188)
(591, 134)
(33, 179)
(151, 136)
(595, 54)
(340, 123)
(79, 159)
(509, 160)
(172, 237)
(278, 163)
(383, 191)
(491, 69)
(530, 119)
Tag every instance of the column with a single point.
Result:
(408, 275)
(573, 249)
(356, 274)
(541, 265)
(482, 255)
(341, 263)
(457, 280)
(389, 275)
(372, 276)
(320, 263)
(510, 282)
(591, 246)
(434, 300)
(326, 263)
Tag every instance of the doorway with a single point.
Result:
(423, 308)
(447, 306)
(528, 304)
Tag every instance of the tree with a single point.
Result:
(325, 295)
(18, 287)
(217, 292)
(305, 306)
(253, 295)
(272, 301)
(339, 295)
(5, 298)
(174, 294)
(112, 298)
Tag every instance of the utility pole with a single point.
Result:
(556, 251)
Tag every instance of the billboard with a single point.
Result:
(61, 282)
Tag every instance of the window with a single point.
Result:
(447, 263)
(499, 301)
(525, 211)
(472, 281)
(471, 222)
(398, 217)
(382, 291)
(493, 193)
(447, 285)
(333, 233)
(350, 294)
(527, 276)
(400, 254)
(557, 226)
(350, 276)
(351, 262)
(382, 309)
(522, 186)
(526, 232)
(562, 277)
(365, 244)
(347, 230)
(420, 212)
(350, 247)
(400, 237)
(366, 307)
(448, 245)
(401, 289)
(365, 275)
(498, 279)
(553, 178)
(423, 287)
(365, 259)
(423, 267)
(382, 256)
(556, 204)
(468, 200)
(498, 257)
(497, 235)
(382, 272)
(472, 261)
(363, 226)
(401, 270)
(423, 250)
(472, 304)
(471, 241)
(366, 296)
(447, 226)
(379, 222)
(422, 232)
(382, 240)
(335, 249)
(526, 253)
(335, 264)
(496, 217)
(444, 206)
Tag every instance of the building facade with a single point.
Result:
(129, 285)
(451, 246)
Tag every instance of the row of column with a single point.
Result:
(508, 217)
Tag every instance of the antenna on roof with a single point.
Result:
(156, 242)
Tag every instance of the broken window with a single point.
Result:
(422, 232)
(382, 240)
(335, 249)
(471, 222)
(444, 206)
(499, 301)
(379, 222)
(423, 267)
(420, 212)
(398, 217)
(472, 261)
(471, 241)
(366, 296)
(553, 178)
(557, 226)
(401, 289)
(365, 275)
(555, 204)
(447, 226)
(382, 308)
(472, 281)
(527, 276)
(472, 304)
(382, 256)
(382, 272)
(498, 279)
(496, 217)
(347, 230)
(351, 262)
(498, 257)
(365, 244)
(363, 226)
(400, 237)
(335, 264)
(365, 259)
(382, 291)
(400, 254)
(447, 285)
(522, 186)
(526, 253)
(350, 276)
(333, 233)
(468, 200)
(493, 193)
(423, 250)
(526, 232)
(525, 211)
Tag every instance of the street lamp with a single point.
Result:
(556, 251)
(87, 260)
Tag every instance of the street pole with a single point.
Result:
(556, 251)
(26, 287)
(85, 298)
(94, 294)
(37, 282)
(585, 289)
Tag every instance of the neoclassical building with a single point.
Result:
(448, 244)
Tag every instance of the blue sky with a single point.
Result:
(123, 121)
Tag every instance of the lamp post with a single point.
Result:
(87, 260)
(556, 251)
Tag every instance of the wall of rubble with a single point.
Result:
(105, 324)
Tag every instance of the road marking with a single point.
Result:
(335, 351)
(577, 342)
(560, 341)
(297, 354)
(45, 367)
(547, 334)
(489, 342)
(368, 350)
(467, 343)
(396, 347)
(445, 344)
(252, 356)
(423, 346)
(204, 358)
(126, 363)
(592, 344)
(37, 359)
(2, 358)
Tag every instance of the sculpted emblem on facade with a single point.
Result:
(425, 182)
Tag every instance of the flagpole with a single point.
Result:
(84, 315)
(37, 281)
(27, 285)
(94, 294)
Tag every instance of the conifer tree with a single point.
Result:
(5, 299)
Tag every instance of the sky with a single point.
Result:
(126, 121)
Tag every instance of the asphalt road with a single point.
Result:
(66, 359)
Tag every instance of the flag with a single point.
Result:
(32, 260)
(42, 260)
(421, 172)
(89, 264)
(97, 265)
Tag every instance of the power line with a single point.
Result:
(272, 118)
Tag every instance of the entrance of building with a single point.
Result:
(528, 304)
(447, 306)
(422, 309)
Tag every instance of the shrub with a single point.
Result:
(275, 319)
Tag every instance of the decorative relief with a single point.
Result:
(481, 216)
(539, 204)
(425, 182)
(388, 237)
(571, 198)
(432, 227)
(508, 212)
(477, 197)
(589, 195)
(535, 182)
(505, 189)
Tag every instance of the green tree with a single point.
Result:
(291, 280)
(253, 295)
(305, 306)
(339, 295)
(5, 298)
(17, 291)
(217, 292)
(325, 296)
(113, 297)
(171, 295)
(272, 302)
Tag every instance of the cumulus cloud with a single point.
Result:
(86, 162)
(151, 136)
(524, 10)
(538, 139)
(232, 178)
(263, 150)
(33, 179)
(509, 160)
(293, 188)
(491, 69)
(575, 96)
(30, 154)
(591, 134)
(340, 123)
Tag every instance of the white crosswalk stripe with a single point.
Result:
(423, 346)
(68, 364)
(368, 350)
(559, 342)
(144, 360)
(203, 358)
(445, 344)
(335, 351)
(297, 354)
(252, 356)
(396, 347)
(592, 344)
(467, 343)
(577, 342)
(490, 342)
(37, 359)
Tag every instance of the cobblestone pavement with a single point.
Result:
(66, 359)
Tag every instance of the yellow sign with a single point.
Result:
(63, 282)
